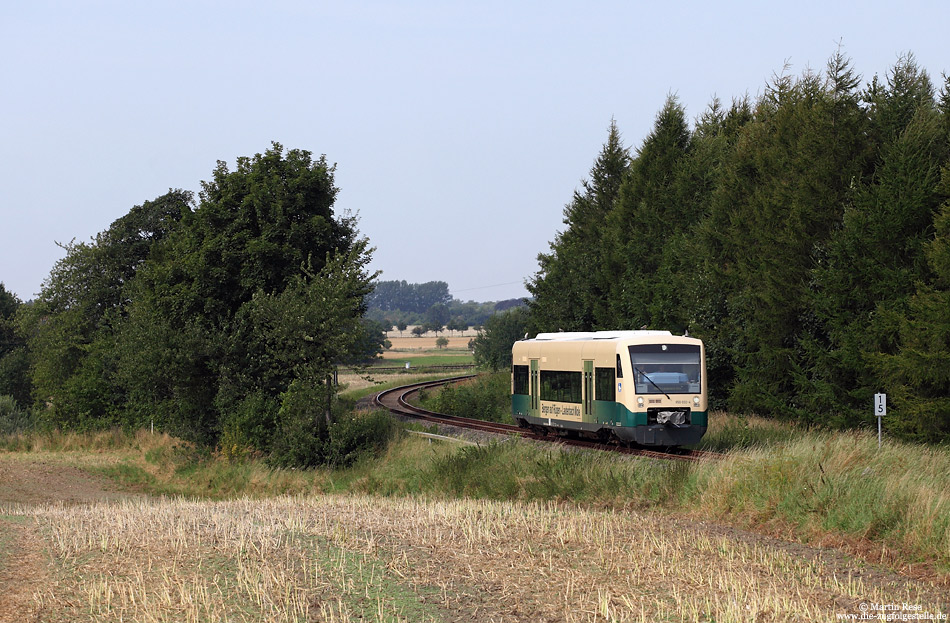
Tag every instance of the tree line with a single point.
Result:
(803, 235)
(428, 305)
(218, 318)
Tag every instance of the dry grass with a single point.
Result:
(354, 558)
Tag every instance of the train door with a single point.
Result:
(588, 391)
(535, 385)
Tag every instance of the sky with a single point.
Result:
(459, 130)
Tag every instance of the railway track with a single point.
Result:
(396, 400)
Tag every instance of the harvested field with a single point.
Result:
(403, 347)
(363, 558)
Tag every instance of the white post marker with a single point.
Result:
(880, 410)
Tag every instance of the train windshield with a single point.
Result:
(666, 368)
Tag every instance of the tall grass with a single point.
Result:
(821, 485)
(486, 397)
(840, 484)
(732, 432)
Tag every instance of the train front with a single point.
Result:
(664, 391)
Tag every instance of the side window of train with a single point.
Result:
(619, 369)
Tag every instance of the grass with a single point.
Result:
(366, 558)
(733, 432)
(820, 486)
(434, 531)
(447, 358)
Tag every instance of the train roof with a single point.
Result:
(568, 336)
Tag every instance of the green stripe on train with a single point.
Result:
(607, 412)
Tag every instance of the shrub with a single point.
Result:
(357, 435)
(12, 418)
(249, 426)
(304, 438)
(486, 398)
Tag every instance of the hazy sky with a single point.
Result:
(460, 129)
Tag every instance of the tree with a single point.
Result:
(873, 261)
(14, 358)
(252, 246)
(291, 342)
(436, 316)
(782, 193)
(215, 321)
(493, 345)
(71, 326)
(409, 297)
(917, 372)
(569, 288)
(646, 214)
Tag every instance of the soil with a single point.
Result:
(26, 481)
(24, 562)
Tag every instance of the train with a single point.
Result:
(643, 388)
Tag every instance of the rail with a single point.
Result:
(396, 400)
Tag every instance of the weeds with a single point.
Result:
(487, 397)
(821, 484)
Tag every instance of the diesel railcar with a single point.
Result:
(639, 387)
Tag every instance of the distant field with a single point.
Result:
(420, 353)
(417, 346)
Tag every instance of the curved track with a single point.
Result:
(396, 400)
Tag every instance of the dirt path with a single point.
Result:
(24, 480)
(25, 565)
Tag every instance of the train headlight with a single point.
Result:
(640, 401)
(696, 400)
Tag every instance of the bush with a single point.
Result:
(357, 435)
(248, 427)
(12, 418)
(486, 398)
(306, 440)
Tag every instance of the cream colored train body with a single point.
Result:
(640, 387)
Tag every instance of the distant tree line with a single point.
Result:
(803, 235)
(218, 319)
(429, 306)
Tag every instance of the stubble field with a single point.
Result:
(104, 555)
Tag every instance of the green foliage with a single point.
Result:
(203, 318)
(355, 436)
(304, 420)
(488, 397)
(13, 419)
(794, 234)
(409, 297)
(14, 356)
(308, 437)
(400, 304)
(493, 344)
(917, 370)
(562, 301)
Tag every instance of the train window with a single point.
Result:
(605, 386)
(519, 375)
(666, 368)
(619, 369)
(561, 386)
